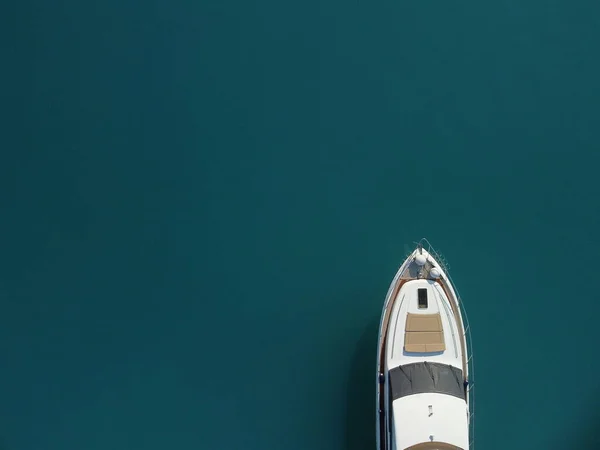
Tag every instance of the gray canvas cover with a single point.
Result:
(423, 377)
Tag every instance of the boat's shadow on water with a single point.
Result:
(360, 406)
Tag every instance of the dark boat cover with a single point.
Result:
(423, 377)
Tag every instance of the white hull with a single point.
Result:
(424, 378)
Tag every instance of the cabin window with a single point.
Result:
(422, 298)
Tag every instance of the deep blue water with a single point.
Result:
(203, 204)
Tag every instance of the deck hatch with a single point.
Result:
(422, 294)
(426, 377)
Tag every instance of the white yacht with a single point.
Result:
(424, 369)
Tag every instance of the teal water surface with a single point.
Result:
(203, 205)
